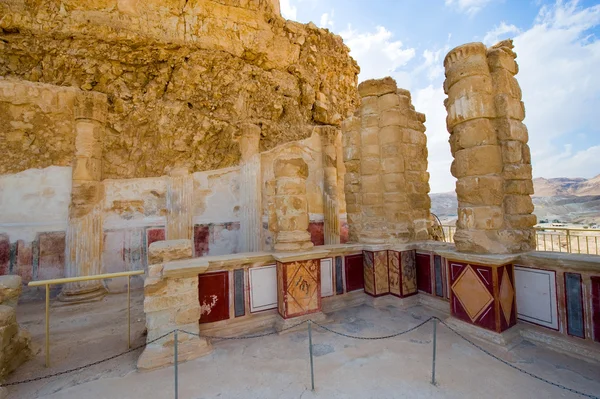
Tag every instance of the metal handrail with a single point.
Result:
(48, 283)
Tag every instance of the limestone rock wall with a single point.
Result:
(15, 343)
(385, 155)
(488, 140)
(181, 77)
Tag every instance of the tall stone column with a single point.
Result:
(351, 155)
(180, 189)
(331, 209)
(385, 155)
(250, 188)
(84, 231)
(488, 142)
(291, 205)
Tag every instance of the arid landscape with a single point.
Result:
(568, 200)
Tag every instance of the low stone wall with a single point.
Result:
(15, 343)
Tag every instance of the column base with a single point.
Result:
(82, 295)
(160, 353)
(506, 340)
(285, 326)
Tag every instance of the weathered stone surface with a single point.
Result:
(166, 251)
(377, 87)
(181, 79)
(489, 142)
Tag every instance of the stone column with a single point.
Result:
(250, 188)
(487, 140)
(291, 205)
(351, 145)
(180, 189)
(331, 209)
(518, 234)
(84, 231)
(374, 227)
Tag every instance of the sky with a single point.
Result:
(558, 52)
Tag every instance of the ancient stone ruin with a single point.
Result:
(232, 156)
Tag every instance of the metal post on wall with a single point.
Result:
(176, 362)
(310, 352)
(434, 350)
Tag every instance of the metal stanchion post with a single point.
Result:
(434, 349)
(310, 351)
(47, 325)
(175, 355)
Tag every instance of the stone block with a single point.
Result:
(480, 190)
(293, 223)
(512, 151)
(369, 136)
(290, 187)
(372, 199)
(10, 288)
(410, 136)
(419, 201)
(518, 204)
(166, 251)
(478, 161)
(392, 117)
(511, 129)
(526, 154)
(520, 221)
(370, 151)
(390, 134)
(371, 184)
(508, 107)
(352, 167)
(351, 153)
(388, 101)
(87, 169)
(480, 218)
(370, 166)
(504, 82)
(394, 182)
(463, 61)
(8, 315)
(369, 121)
(369, 106)
(518, 187)
(392, 165)
(468, 107)
(391, 150)
(481, 83)
(377, 87)
(500, 59)
(517, 171)
(479, 242)
(474, 133)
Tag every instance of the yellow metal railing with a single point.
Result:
(48, 283)
(555, 239)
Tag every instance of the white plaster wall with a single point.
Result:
(216, 196)
(536, 296)
(134, 202)
(34, 201)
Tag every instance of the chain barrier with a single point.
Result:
(324, 328)
(515, 367)
(375, 338)
(84, 366)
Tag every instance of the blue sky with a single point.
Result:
(558, 48)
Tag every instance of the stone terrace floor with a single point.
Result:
(277, 366)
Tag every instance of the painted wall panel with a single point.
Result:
(52, 256)
(213, 294)
(239, 302)
(409, 272)
(439, 277)
(424, 272)
(536, 296)
(596, 308)
(354, 273)
(263, 288)
(339, 276)
(326, 277)
(573, 297)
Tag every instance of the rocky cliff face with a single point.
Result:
(181, 76)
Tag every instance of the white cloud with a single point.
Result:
(327, 20)
(378, 54)
(558, 75)
(469, 7)
(288, 11)
(500, 32)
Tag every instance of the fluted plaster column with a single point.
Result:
(250, 188)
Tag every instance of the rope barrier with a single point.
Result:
(84, 366)
(324, 328)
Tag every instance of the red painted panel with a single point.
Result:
(213, 294)
(596, 307)
(52, 255)
(424, 272)
(154, 235)
(201, 236)
(24, 267)
(4, 254)
(316, 233)
(355, 279)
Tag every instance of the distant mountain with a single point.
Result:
(570, 200)
(566, 186)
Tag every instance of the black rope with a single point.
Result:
(375, 338)
(85, 366)
(244, 336)
(515, 367)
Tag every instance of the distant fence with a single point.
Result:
(555, 239)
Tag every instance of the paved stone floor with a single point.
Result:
(277, 366)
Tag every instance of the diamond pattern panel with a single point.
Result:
(507, 296)
(472, 293)
(302, 287)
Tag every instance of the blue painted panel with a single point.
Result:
(439, 278)
(238, 292)
(339, 282)
(573, 293)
